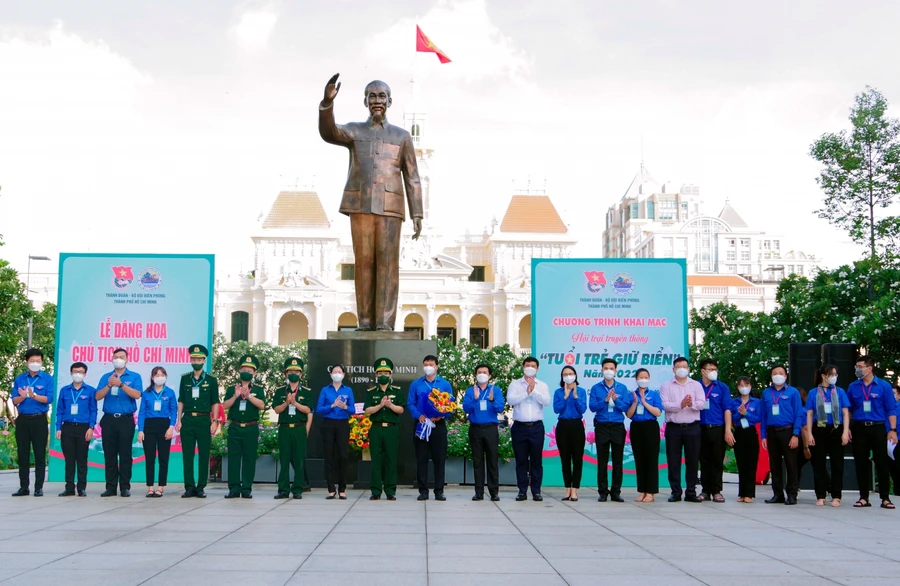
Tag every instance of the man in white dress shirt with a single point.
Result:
(528, 397)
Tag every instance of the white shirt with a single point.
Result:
(528, 407)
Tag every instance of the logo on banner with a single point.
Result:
(595, 281)
(122, 277)
(150, 279)
(623, 283)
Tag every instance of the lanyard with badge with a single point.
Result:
(157, 404)
(482, 404)
(776, 410)
(744, 423)
(707, 393)
(867, 403)
(640, 406)
(611, 404)
(826, 399)
(291, 409)
(195, 389)
(73, 409)
(243, 404)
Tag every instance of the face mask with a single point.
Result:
(744, 390)
(859, 373)
(159, 380)
(529, 371)
(482, 378)
(682, 372)
(569, 379)
(77, 378)
(643, 382)
(714, 375)
(34, 366)
(430, 370)
(609, 374)
(293, 378)
(118, 363)
(197, 367)
(778, 379)
(832, 380)
(246, 376)
(337, 377)
(384, 379)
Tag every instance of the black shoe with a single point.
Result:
(704, 496)
(616, 498)
(329, 497)
(233, 495)
(282, 495)
(521, 497)
(537, 498)
(693, 499)
(375, 498)
(22, 492)
(200, 494)
(602, 498)
(439, 496)
(675, 498)
(791, 500)
(422, 497)
(67, 493)
(246, 495)
(189, 493)
(298, 495)
(82, 493)
(478, 497)
(38, 492)
(126, 493)
(775, 500)
(342, 497)
(495, 497)
(391, 497)
(108, 492)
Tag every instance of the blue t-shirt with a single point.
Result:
(481, 411)
(718, 399)
(601, 408)
(42, 383)
(653, 399)
(569, 408)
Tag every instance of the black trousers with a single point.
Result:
(645, 447)
(436, 449)
(683, 438)
(868, 438)
(485, 443)
(828, 446)
(746, 454)
(118, 435)
(32, 432)
(570, 441)
(528, 446)
(782, 458)
(155, 442)
(609, 436)
(712, 458)
(75, 452)
(336, 442)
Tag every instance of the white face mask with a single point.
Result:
(744, 390)
(482, 378)
(643, 382)
(118, 363)
(430, 370)
(77, 377)
(159, 380)
(609, 374)
(529, 371)
(714, 375)
(832, 380)
(569, 379)
(778, 379)
(682, 372)
(337, 377)
(34, 366)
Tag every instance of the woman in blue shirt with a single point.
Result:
(744, 413)
(570, 403)
(336, 406)
(828, 422)
(644, 432)
(156, 426)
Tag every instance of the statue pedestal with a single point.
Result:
(377, 336)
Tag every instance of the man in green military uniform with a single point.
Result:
(198, 420)
(384, 411)
(244, 401)
(293, 403)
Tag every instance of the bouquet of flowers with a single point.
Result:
(359, 432)
(439, 404)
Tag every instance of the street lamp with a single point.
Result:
(28, 290)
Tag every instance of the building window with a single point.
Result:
(745, 269)
(767, 245)
(240, 326)
(800, 269)
(415, 329)
(348, 272)
(731, 268)
(650, 211)
(479, 337)
(477, 274)
(745, 243)
(448, 333)
(745, 255)
(730, 255)
(634, 211)
(776, 244)
(731, 242)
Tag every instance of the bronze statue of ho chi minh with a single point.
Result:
(382, 162)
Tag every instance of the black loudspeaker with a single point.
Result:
(843, 356)
(803, 362)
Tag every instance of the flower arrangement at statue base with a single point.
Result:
(359, 432)
(437, 404)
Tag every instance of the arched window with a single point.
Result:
(414, 131)
(240, 326)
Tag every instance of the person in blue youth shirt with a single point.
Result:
(336, 406)
(436, 445)
(874, 423)
(828, 425)
(782, 419)
(645, 409)
(32, 395)
(741, 418)
(156, 426)
(609, 401)
(76, 416)
(119, 390)
(482, 403)
(570, 403)
(712, 431)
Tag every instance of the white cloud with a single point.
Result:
(254, 27)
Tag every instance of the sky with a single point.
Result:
(170, 126)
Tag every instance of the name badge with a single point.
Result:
(828, 408)
(867, 406)
(482, 405)
(610, 407)
(292, 410)
(195, 392)
(74, 410)
(640, 410)
(243, 406)
(114, 391)
(745, 424)
(706, 404)
(775, 410)
(157, 405)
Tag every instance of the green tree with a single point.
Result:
(227, 356)
(860, 175)
(15, 311)
(458, 361)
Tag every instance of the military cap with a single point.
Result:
(249, 360)
(293, 363)
(198, 351)
(384, 364)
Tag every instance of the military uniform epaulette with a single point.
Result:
(395, 387)
(372, 388)
(305, 388)
(188, 373)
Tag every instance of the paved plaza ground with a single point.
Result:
(120, 541)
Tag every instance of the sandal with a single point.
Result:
(718, 498)
(835, 502)
(158, 494)
(861, 503)
(150, 493)
(649, 499)
(820, 502)
(887, 505)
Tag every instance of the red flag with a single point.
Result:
(424, 45)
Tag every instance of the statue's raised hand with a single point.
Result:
(331, 89)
